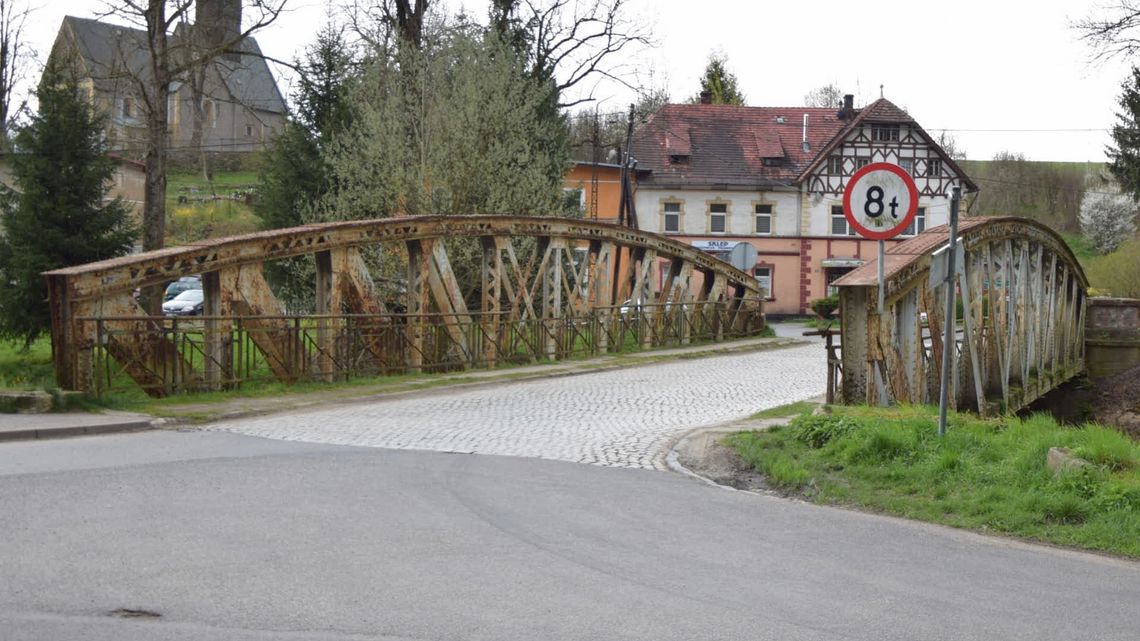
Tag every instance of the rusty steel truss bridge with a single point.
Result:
(1019, 324)
(544, 288)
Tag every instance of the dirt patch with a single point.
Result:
(705, 454)
(1116, 401)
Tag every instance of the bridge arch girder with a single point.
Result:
(1021, 317)
(577, 266)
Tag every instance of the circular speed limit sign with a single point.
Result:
(880, 201)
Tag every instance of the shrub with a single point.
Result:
(825, 306)
(818, 430)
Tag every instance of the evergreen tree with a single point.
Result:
(720, 83)
(294, 174)
(1124, 155)
(60, 216)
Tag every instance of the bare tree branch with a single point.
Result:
(1114, 35)
(15, 58)
(574, 41)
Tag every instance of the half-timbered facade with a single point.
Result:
(718, 175)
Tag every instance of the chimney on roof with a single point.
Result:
(848, 107)
(706, 97)
(218, 23)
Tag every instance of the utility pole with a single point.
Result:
(627, 215)
(948, 320)
(597, 156)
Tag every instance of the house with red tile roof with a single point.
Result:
(717, 175)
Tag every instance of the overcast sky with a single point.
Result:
(1001, 75)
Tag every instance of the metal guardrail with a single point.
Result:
(206, 353)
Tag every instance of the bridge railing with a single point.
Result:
(1017, 327)
(174, 355)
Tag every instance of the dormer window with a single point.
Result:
(678, 159)
(773, 162)
(884, 133)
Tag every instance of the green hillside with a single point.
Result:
(1046, 191)
(198, 209)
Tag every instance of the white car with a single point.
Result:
(188, 303)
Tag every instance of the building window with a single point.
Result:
(718, 217)
(764, 278)
(839, 226)
(127, 108)
(918, 225)
(832, 274)
(908, 165)
(763, 219)
(862, 162)
(249, 131)
(835, 165)
(672, 221)
(934, 167)
(884, 133)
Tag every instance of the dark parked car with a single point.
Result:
(188, 303)
(182, 284)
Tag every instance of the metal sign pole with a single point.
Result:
(948, 320)
(881, 279)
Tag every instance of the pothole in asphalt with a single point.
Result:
(130, 613)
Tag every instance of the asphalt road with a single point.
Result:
(234, 537)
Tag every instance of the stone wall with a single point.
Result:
(1112, 336)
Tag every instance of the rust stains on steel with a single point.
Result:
(561, 299)
(1022, 302)
(162, 265)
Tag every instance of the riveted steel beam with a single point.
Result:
(1022, 301)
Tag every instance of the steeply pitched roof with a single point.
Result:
(108, 50)
(728, 145)
(249, 81)
(885, 111)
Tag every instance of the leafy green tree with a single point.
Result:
(471, 137)
(719, 82)
(60, 215)
(1124, 153)
(457, 127)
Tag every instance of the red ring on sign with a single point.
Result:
(911, 210)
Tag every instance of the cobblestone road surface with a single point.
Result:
(623, 418)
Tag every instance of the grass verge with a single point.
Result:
(985, 475)
(784, 411)
(26, 370)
